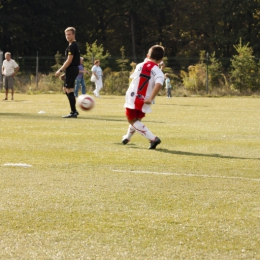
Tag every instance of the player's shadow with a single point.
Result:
(160, 150)
(202, 154)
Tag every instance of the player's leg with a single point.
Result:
(83, 86)
(12, 93)
(144, 131)
(6, 93)
(11, 85)
(99, 86)
(76, 90)
(6, 87)
(71, 75)
(130, 132)
(134, 118)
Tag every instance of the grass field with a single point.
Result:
(84, 195)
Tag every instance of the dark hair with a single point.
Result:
(156, 52)
(96, 61)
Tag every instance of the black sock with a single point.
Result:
(72, 101)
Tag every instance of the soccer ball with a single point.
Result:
(86, 102)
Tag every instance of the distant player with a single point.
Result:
(9, 70)
(147, 80)
(71, 69)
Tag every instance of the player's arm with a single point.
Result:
(3, 68)
(156, 90)
(65, 65)
(16, 71)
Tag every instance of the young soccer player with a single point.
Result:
(147, 80)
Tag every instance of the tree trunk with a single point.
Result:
(133, 34)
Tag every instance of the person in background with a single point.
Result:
(9, 70)
(80, 79)
(161, 65)
(168, 85)
(97, 73)
(70, 66)
(147, 82)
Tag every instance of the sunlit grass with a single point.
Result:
(87, 196)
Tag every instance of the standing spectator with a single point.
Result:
(80, 79)
(168, 85)
(97, 73)
(147, 82)
(70, 66)
(9, 70)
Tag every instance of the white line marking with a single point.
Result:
(189, 175)
(17, 164)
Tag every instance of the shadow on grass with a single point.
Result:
(182, 105)
(47, 116)
(202, 154)
(195, 154)
(14, 101)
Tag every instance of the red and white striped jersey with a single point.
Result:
(144, 78)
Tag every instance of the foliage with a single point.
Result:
(244, 68)
(122, 63)
(117, 82)
(215, 73)
(95, 52)
(183, 27)
(195, 79)
(58, 61)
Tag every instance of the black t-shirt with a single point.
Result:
(73, 49)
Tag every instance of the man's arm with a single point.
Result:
(16, 71)
(65, 65)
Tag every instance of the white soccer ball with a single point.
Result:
(86, 102)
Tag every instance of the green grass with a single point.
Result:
(87, 196)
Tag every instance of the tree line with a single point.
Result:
(184, 27)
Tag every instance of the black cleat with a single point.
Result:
(154, 143)
(77, 112)
(125, 141)
(71, 115)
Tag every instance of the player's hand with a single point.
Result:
(57, 74)
(62, 77)
(148, 101)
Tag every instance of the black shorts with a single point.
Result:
(70, 76)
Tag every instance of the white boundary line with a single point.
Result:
(17, 164)
(189, 175)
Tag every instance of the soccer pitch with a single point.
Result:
(71, 190)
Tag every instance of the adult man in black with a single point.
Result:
(71, 69)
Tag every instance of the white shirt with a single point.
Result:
(132, 97)
(97, 70)
(9, 67)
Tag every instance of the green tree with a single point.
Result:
(117, 82)
(58, 61)
(95, 52)
(122, 63)
(215, 74)
(244, 68)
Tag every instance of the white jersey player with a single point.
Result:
(147, 80)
